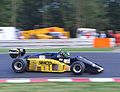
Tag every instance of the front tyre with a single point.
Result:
(19, 65)
(77, 67)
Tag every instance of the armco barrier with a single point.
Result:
(50, 43)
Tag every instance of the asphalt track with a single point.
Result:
(110, 61)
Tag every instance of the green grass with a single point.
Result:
(61, 87)
(66, 49)
(71, 49)
(4, 50)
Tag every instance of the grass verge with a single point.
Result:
(60, 87)
(66, 49)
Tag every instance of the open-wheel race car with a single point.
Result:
(52, 62)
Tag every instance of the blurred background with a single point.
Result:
(91, 23)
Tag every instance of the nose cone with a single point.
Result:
(99, 68)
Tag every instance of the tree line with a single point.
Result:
(69, 14)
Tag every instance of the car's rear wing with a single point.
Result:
(18, 52)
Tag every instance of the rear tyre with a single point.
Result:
(19, 65)
(77, 67)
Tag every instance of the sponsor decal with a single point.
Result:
(67, 61)
(45, 62)
(14, 52)
(42, 57)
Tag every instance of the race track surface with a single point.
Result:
(110, 61)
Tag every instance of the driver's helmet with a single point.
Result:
(64, 54)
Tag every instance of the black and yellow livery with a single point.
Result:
(52, 62)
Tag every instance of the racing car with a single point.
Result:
(59, 62)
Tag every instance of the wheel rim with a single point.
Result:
(18, 65)
(77, 68)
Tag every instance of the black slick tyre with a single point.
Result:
(19, 65)
(77, 67)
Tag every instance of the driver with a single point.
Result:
(63, 54)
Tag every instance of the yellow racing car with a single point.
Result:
(52, 62)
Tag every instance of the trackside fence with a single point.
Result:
(51, 43)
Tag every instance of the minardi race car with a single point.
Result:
(52, 62)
